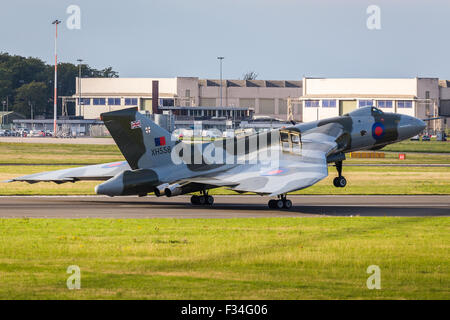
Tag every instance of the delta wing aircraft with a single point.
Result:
(270, 163)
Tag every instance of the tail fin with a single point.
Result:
(143, 143)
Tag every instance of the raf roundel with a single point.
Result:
(378, 130)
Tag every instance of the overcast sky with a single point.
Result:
(278, 39)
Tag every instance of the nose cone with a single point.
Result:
(421, 125)
(410, 127)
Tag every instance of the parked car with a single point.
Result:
(415, 138)
(37, 133)
(426, 138)
(2, 133)
(24, 132)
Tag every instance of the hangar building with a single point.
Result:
(263, 97)
(309, 98)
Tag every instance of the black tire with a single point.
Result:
(201, 200)
(336, 182)
(287, 204)
(209, 200)
(279, 204)
(194, 200)
(272, 204)
(342, 182)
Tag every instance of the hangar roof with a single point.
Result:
(251, 83)
(358, 96)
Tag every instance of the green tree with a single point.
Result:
(17, 71)
(34, 94)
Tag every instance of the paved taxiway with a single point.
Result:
(239, 206)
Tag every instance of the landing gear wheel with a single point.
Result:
(287, 204)
(272, 204)
(201, 200)
(279, 204)
(341, 181)
(194, 200)
(209, 200)
(335, 182)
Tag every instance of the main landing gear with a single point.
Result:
(204, 199)
(340, 181)
(281, 203)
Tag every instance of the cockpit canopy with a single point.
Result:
(365, 111)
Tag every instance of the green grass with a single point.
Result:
(276, 258)
(31, 153)
(36, 153)
(419, 146)
(361, 180)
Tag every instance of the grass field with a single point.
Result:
(277, 258)
(361, 180)
(36, 153)
(419, 146)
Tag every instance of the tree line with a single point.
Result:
(27, 83)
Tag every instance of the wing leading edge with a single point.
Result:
(103, 171)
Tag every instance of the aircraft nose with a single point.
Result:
(421, 125)
(410, 126)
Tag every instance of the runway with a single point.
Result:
(236, 206)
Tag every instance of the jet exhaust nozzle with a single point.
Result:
(160, 190)
(130, 182)
(173, 190)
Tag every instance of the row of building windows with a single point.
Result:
(111, 101)
(361, 103)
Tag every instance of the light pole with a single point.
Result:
(79, 86)
(31, 109)
(55, 99)
(220, 59)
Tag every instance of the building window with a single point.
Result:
(99, 101)
(365, 103)
(114, 101)
(328, 103)
(131, 101)
(404, 104)
(166, 102)
(312, 103)
(84, 101)
(385, 104)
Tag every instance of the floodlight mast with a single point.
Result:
(55, 99)
(221, 59)
(79, 85)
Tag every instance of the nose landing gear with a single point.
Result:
(281, 203)
(340, 181)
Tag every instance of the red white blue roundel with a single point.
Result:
(378, 130)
